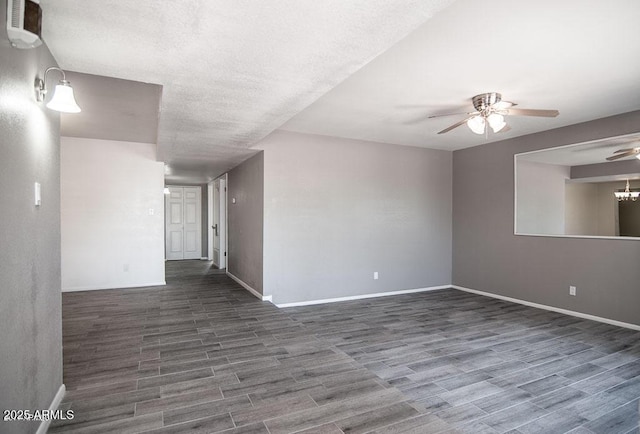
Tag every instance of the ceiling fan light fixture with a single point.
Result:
(489, 108)
(496, 122)
(476, 124)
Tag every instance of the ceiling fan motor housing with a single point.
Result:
(485, 100)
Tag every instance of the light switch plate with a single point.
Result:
(37, 194)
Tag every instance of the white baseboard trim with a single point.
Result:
(551, 308)
(97, 288)
(204, 258)
(363, 296)
(248, 288)
(44, 425)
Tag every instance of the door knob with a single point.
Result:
(215, 228)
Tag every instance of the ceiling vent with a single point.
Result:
(24, 23)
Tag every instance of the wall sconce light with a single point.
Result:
(62, 99)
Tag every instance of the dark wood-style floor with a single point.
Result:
(202, 355)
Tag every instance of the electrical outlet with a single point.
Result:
(375, 275)
(572, 290)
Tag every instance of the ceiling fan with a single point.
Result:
(622, 153)
(491, 109)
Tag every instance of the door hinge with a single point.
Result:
(225, 253)
(225, 189)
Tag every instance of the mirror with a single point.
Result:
(569, 191)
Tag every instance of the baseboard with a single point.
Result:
(204, 258)
(551, 308)
(44, 425)
(97, 288)
(363, 296)
(248, 288)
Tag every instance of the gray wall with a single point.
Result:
(245, 219)
(595, 208)
(336, 210)
(606, 169)
(487, 256)
(30, 311)
(541, 197)
(581, 210)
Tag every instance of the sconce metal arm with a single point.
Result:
(41, 83)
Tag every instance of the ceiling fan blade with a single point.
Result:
(452, 114)
(504, 129)
(623, 155)
(503, 105)
(533, 112)
(416, 120)
(624, 150)
(412, 106)
(456, 125)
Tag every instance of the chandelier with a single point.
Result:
(627, 194)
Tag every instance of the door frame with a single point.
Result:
(221, 199)
(210, 211)
(198, 217)
(223, 222)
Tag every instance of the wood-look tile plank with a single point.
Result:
(254, 428)
(333, 412)
(163, 380)
(274, 409)
(205, 425)
(380, 417)
(211, 408)
(129, 425)
(426, 423)
(166, 403)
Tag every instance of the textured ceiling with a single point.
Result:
(581, 57)
(232, 71)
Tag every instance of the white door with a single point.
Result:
(174, 219)
(218, 226)
(183, 225)
(215, 223)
